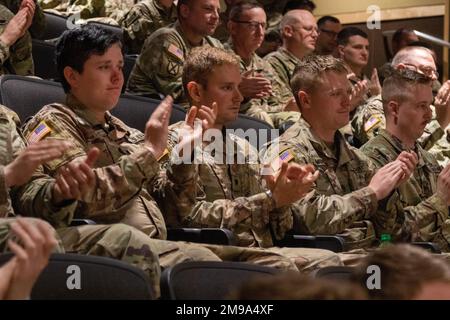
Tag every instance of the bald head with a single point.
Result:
(294, 17)
(299, 32)
(418, 58)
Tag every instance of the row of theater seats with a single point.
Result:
(78, 277)
(26, 96)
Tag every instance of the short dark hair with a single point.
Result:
(180, 3)
(299, 5)
(346, 33)
(324, 19)
(75, 46)
(398, 34)
(237, 10)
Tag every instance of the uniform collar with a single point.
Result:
(343, 151)
(291, 57)
(399, 147)
(111, 123)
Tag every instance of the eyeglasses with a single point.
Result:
(252, 24)
(426, 70)
(329, 32)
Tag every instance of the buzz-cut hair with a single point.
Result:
(346, 33)
(202, 61)
(238, 9)
(310, 70)
(399, 85)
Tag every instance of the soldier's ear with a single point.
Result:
(340, 49)
(305, 101)
(184, 11)
(287, 31)
(194, 91)
(393, 107)
(71, 76)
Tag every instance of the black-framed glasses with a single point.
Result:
(329, 32)
(252, 24)
(426, 70)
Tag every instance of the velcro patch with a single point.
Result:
(41, 130)
(285, 156)
(373, 120)
(177, 52)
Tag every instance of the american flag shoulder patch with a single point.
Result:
(285, 156)
(177, 52)
(41, 130)
(373, 120)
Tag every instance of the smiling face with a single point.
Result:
(100, 83)
(202, 16)
(328, 103)
(223, 88)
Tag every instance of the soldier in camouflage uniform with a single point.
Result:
(418, 210)
(299, 33)
(369, 119)
(38, 24)
(265, 96)
(231, 194)
(127, 171)
(15, 41)
(145, 18)
(159, 66)
(39, 198)
(106, 11)
(347, 191)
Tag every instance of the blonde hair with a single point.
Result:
(202, 61)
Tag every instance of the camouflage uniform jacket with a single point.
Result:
(33, 198)
(283, 62)
(281, 94)
(159, 67)
(16, 59)
(232, 196)
(369, 119)
(142, 20)
(414, 210)
(341, 203)
(125, 170)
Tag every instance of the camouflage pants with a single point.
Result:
(4, 234)
(309, 260)
(128, 244)
(252, 255)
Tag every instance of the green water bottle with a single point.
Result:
(385, 240)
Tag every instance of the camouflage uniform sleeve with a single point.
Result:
(253, 108)
(196, 211)
(4, 52)
(432, 133)
(396, 217)
(33, 198)
(5, 201)
(368, 120)
(116, 184)
(39, 23)
(317, 213)
(278, 67)
(137, 26)
(162, 61)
